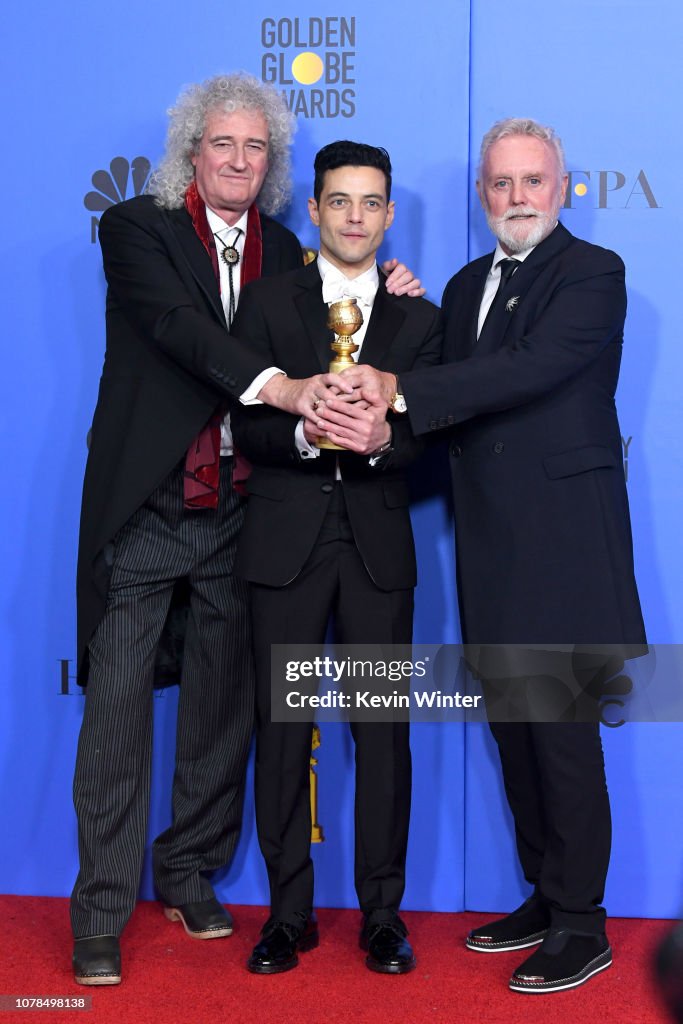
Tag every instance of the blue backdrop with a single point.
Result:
(85, 113)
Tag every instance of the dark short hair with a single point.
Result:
(349, 154)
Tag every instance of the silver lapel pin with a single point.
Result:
(511, 303)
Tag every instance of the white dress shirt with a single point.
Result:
(335, 286)
(226, 235)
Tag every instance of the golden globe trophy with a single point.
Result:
(345, 319)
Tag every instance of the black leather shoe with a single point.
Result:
(97, 960)
(277, 950)
(207, 919)
(388, 949)
(566, 959)
(524, 927)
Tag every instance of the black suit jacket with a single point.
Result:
(541, 512)
(284, 320)
(169, 364)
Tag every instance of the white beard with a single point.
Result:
(517, 235)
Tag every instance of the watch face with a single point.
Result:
(398, 403)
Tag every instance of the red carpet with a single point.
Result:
(168, 977)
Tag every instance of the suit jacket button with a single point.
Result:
(456, 451)
(498, 448)
(327, 488)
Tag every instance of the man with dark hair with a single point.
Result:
(533, 339)
(160, 513)
(328, 535)
(345, 154)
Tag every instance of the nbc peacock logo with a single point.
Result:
(123, 179)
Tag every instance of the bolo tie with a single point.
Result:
(231, 258)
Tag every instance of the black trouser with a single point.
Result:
(333, 584)
(554, 776)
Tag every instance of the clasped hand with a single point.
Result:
(353, 411)
(349, 408)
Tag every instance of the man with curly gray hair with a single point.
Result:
(188, 122)
(161, 511)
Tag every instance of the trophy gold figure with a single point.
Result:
(345, 319)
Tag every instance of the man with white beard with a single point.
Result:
(533, 338)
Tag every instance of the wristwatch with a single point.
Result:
(398, 402)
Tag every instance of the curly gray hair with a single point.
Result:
(187, 124)
(522, 126)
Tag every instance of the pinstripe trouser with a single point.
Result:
(161, 543)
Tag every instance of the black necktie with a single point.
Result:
(507, 269)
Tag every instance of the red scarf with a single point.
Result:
(202, 462)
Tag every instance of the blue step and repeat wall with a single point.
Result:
(85, 93)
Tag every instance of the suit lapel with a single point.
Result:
(470, 314)
(195, 255)
(386, 320)
(313, 312)
(271, 255)
(558, 239)
(493, 335)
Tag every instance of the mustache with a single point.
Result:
(519, 211)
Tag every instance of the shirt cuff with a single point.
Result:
(305, 450)
(248, 397)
